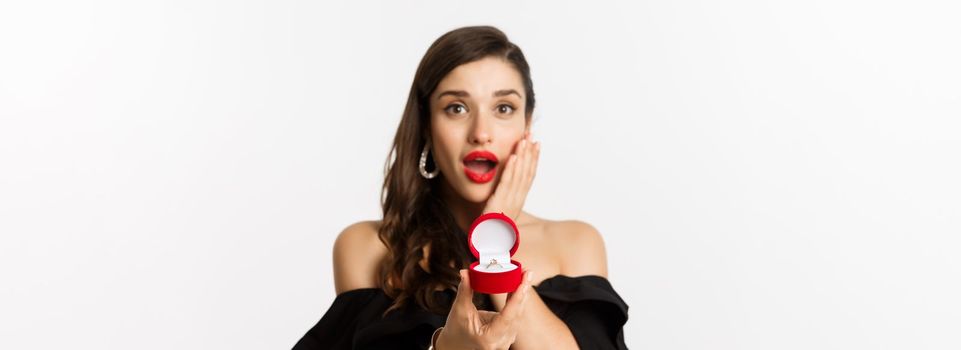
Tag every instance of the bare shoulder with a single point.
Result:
(358, 253)
(580, 248)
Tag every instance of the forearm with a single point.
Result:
(542, 329)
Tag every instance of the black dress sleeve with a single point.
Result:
(590, 307)
(354, 321)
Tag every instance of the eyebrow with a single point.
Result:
(462, 93)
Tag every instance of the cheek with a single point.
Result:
(444, 148)
(515, 138)
(440, 150)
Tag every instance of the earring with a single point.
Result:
(423, 164)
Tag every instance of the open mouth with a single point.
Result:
(480, 165)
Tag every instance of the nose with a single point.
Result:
(480, 130)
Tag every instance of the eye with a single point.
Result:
(456, 109)
(505, 109)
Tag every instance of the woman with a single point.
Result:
(401, 282)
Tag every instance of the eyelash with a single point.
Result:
(449, 109)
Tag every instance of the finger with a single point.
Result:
(465, 295)
(515, 304)
(508, 174)
(531, 169)
(537, 157)
(516, 163)
(523, 178)
(528, 165)
(527, 153)
(521, 163)
(517, 157)
(528, 276)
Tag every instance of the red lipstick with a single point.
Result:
(480, 166)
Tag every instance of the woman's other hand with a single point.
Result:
(515, 182)
(469, 328)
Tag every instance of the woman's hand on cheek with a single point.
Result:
(516, 180)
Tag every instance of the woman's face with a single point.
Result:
(478, 106)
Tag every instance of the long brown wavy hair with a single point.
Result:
(416, 219)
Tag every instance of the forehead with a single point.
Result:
(481, 78)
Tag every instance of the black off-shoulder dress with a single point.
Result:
(590, 307)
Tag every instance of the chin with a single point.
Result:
(477, 194)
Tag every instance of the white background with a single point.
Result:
(766, 175)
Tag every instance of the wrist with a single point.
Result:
(508, 213)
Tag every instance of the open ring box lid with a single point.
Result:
(494, 236)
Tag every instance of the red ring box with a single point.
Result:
(494, 236)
